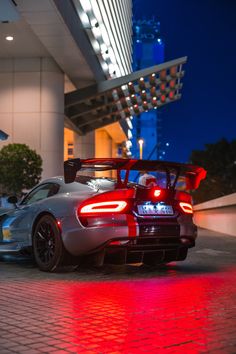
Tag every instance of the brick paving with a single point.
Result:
(189, 307)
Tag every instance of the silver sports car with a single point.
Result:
(105, 219)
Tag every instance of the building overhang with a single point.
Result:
(115, 131)
(119, 99)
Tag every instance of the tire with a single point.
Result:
(48, 249)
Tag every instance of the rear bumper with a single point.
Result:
(143, 235)
(131, 253)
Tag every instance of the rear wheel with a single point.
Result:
(48, 249)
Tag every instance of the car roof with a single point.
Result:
(57, 179)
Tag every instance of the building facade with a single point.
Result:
(49, 48)
(66, 83)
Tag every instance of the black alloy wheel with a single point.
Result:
(47, 244)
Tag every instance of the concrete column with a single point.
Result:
(84, 145)
(103, 144)
(32, 108)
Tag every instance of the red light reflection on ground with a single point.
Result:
(166, 313)
(131, 316)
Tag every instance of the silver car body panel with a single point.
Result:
(17, 225)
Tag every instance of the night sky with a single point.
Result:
(205, 31)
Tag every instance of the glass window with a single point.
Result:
(44, 191)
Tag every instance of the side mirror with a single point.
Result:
(12, 199)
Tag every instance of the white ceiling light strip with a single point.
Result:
(118, 43)
(125, 30)
(122, 70)
(109, 33)
(121, 27)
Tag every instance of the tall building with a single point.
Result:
(148, 50)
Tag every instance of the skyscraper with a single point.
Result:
(148, 50)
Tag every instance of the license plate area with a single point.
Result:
(155, 209)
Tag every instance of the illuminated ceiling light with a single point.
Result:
(104, 48)
(172, 83)
(128, 143)
(97, 33)
(163, 98)
(153, 75)
(141, 79)
(143, 91)
(162, 87)
(84, 19)
(86, 5)
(9, 38)
(95, 45)
(129, 134)
(130, 83)
(104, 66)
(94, 22)
(129, 123)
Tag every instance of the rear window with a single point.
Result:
(96, 183)
(83, 182)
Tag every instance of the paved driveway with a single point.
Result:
(186, 307)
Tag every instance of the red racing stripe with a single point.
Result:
(132, 225)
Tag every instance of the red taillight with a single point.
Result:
(183, 197)
(111, 202)
(115, 206)
(186, 207)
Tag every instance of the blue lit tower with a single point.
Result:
(148, 50)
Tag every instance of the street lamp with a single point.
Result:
(140, 142)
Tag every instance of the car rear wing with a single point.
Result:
(193, 174)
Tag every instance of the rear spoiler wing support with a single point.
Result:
(70, 169)
(193, 174)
